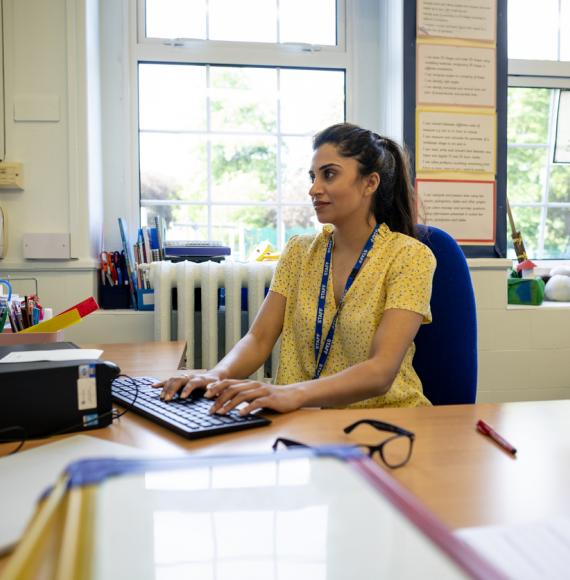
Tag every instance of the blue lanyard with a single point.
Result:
(321, 359)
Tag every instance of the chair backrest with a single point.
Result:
(446, 349)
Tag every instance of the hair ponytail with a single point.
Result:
(394, 200)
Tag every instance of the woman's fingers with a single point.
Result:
(198, 382)
(165, 382)
(230, 394)
(227, 394)
(184, 383)
(171, 386)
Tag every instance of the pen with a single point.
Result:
(487, 430)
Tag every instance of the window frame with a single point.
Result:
(230, 53)
(222, 46)
(540, 74)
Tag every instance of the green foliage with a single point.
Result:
(527, 221)
(557, 233)
(257, 161)
(560, 183)
(526, 173)
(158, 187)
(529, 111)
(253, 216)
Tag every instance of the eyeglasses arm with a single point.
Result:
(287, 443)
(380, 425)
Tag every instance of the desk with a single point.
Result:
(462, 476)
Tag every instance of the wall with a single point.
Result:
(45, 59)
(523, 352)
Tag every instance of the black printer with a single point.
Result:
(39, 399)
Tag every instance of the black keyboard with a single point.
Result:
(187, 417)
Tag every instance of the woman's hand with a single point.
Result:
(229, 393)
(186, 382)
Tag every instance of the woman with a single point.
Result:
(347, 302)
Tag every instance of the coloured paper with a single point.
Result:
(464, 209)
(455, 76)
(465, 19)
(455, 142)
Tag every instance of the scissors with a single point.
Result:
(117, 266)
(108, 273)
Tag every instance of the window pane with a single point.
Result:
(245, 20)
(528, 115)
(557, 233)
(183, 222)
(565, 30)
(533, 29)
(300, 220)
(172, 166)
(176, 18)
(242, 228)
(312, 22)
(296, 154)
(244, 168)
(243, 99)
(210, 134)
(527, 221)
(172, 97)
(311, 100)
(526, 169)
(559, 184)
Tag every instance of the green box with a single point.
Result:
(525, 291)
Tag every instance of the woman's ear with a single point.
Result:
(372, 183)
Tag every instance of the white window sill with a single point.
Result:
(545, 304)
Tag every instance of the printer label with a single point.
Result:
(87, 388)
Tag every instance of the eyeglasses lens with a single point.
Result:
(396, 450)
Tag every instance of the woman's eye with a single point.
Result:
(329, 174)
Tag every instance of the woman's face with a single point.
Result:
(338, 191)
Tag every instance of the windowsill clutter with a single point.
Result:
(532, 284)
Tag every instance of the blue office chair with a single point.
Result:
(446, 349)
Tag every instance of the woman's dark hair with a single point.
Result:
(394, 200)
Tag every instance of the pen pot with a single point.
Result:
(113, 297)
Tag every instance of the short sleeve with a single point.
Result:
(409, 280)
(287, 268)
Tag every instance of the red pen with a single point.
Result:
(487, 430)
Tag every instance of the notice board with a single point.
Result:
(455, 118)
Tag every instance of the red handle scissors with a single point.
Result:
(108, 272)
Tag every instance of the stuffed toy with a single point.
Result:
(558, 287)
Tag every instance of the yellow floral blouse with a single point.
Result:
(397, 273)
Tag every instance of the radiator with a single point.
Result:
(209, 277)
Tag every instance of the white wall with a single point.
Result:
(523, 352)
(45, 61)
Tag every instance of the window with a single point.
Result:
(227, 106)
(538, 182)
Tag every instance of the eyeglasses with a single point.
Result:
(394, 451)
